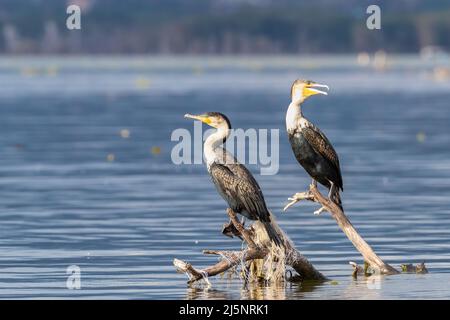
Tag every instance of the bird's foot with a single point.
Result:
(299, 196)
(318, 212)
(230, 230)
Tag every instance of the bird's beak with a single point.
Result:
(311, 89)
(202, 118)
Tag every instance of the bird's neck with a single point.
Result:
(293, 115)
(212, 142)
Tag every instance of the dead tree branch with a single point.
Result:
(345, 225)
(255, 250)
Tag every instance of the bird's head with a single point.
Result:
(214, 119)
(303, 89)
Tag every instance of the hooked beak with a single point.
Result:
(311, 89)
(202, 118)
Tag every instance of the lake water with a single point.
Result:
(86, 175)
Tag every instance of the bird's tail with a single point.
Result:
(337, 200)
(273, 234)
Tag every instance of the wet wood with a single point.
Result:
(346, 226)
(253, 251)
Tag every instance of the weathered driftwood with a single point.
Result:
(255, 250)
(410, 268)
(344, 223)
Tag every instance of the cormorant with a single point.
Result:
(233, 181)
(310, 146)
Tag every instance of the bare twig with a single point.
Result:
(299, 197)
(233, 258)
(344, 223)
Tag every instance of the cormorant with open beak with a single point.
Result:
(310, 146)
(233, 181)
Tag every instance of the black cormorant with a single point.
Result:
(311, 147)
(233, 181)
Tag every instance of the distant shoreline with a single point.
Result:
(140, 61)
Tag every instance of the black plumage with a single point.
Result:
(317, 156)
(239, 189)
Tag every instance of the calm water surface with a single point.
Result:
(74, 191)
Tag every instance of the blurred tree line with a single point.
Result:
(222, 26)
